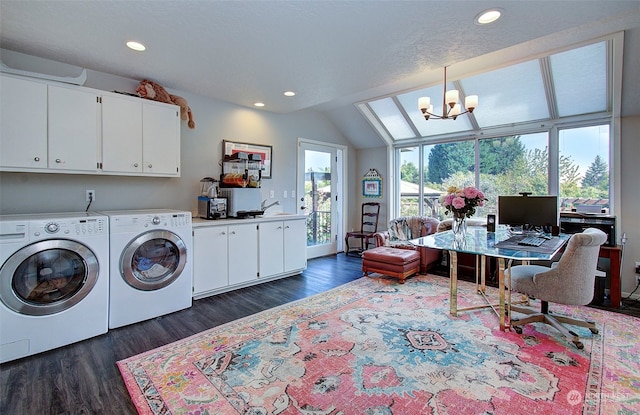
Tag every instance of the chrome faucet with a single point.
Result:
(264, 206)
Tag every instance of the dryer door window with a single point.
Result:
(153, 260)
(48, 277)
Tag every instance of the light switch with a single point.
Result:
(272, 194)
(293, 193)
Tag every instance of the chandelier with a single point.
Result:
(450, 106)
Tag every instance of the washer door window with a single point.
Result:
(48, 277)
(153, 260)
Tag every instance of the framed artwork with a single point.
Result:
(372, 184)
(232, 147)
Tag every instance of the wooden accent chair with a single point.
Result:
(368, 227)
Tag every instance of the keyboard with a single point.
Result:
(532, 241)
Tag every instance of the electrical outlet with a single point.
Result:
(272, 194)
(90, 195)
(293, 193)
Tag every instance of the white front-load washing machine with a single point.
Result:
(151, 264)
(54, 281)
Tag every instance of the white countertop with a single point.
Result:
(198, 222)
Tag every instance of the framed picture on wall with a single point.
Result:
(372, 184)
(265, 152)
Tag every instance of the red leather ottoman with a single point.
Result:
(399, 263)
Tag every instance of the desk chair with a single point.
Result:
(569, 281)
(368, 227)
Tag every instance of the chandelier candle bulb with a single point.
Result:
(424, 103)
(455, 111)
(471, 102)
(451, 97)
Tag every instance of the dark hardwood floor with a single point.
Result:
(82, 378)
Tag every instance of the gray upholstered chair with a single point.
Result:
(569, 281)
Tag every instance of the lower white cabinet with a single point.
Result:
(222, 256)
(243, 253)
(283, 247)
(228, 254)
(295, 245)
(210, 248)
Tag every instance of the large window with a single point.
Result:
(511, 165)
(584, 168)
(578, 171)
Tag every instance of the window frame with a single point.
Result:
(552, 129)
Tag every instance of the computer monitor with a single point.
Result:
(530, 212)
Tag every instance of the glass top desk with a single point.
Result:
(484, 244)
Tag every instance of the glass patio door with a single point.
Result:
(318, 197)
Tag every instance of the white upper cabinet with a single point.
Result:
(73, 129)
(121, 135)
(59, 128)
(160, 139)
(140, 137)
(23, 123)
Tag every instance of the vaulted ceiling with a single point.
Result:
(331, 53)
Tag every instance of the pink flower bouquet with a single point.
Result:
(462, 202)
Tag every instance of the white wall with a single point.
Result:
(629, 220)
(201, 152)
(370, 158)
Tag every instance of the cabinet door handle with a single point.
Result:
(224, 233)
(36, 158)
(233, 232)
(279, 227)
(286, 227)
(58, 161)
(135, 164)
(149, 166)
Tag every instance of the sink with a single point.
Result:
(271, 214)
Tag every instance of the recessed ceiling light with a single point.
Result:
(488, 16)
(259, 104)
(136, 46)
(289, 93)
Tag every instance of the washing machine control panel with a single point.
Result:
(69, 227)
(52, 227)
(169, 220)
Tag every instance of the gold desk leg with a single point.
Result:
(483, 282)
(501, 290)
(453, 283)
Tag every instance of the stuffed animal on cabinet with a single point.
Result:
(151, 90)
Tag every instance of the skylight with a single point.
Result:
(565, 84)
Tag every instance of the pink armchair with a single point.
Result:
(405, 228)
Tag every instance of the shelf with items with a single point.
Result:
(241, 170)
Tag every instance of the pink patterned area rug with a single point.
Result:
(374, 346)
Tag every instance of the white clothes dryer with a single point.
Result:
(54, 281)
(151, 264)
